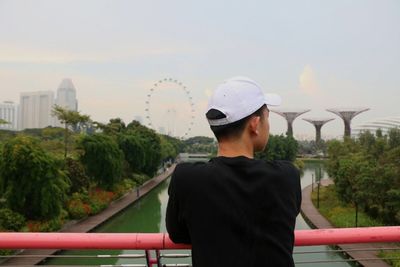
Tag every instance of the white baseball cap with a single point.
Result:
(237, 98)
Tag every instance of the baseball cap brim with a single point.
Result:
(272, 99)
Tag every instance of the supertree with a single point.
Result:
(318, 123)
(347, 114)
(290, 116)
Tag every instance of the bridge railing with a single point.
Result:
(160, 241)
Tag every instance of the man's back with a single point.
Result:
(235, 211)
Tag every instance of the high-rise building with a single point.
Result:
(66, 97)
(35, 109)
(9, 113)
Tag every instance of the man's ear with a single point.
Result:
(254, 124)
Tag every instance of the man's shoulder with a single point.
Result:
(188, 166)
(189, 169)
(280, 165)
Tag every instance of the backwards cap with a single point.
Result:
(237, 98)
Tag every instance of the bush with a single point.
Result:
(140, 179)
(45, 226)
(99, 200)
(299, 164)
(77, 209)
(124, 186)
(10, 220)
(78, 206)
(76, 174)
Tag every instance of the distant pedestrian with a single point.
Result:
(236, 210)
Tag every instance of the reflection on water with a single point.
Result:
(148, 216)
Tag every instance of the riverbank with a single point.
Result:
(90, 223)
(316, 220)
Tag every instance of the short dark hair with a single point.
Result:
(234, 129)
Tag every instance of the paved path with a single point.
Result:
(312, 216)
(90, 223)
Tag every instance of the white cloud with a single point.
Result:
(308, 81)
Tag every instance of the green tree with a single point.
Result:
(366, 173)
(31, 179)
(133, 150)
(102, 159)
(151, 143)
(168, 151)
(353, 180)
(3, 122)
(76, 174)
(69, 118)
(394, 138)
(113, 127)
(279, 147)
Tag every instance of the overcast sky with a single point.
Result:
(315, 54)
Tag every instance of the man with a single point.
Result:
(236, 210)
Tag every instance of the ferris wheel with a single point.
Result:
(170, 107)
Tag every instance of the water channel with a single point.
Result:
(148, 216)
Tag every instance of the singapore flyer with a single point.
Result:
(170, 108)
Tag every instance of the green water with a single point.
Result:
(148, 216)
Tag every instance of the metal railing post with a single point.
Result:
(148, 258)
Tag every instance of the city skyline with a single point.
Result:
(315, 55)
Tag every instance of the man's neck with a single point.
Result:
(235, 148)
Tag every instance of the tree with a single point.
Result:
(113, 127)
(3, 122)
(151, 143)
(353, 181)
(31, 179)
(76, 174)
(133, 151)
(279, 147)
(394, 138)
(102, 159)
(168, 151)
(365, 171)
(69, 118)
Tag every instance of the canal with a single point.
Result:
(148, 216)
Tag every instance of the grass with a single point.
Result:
(393, 255)
(340, 214)
(343, 215)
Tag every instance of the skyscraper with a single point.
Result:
(66, 97)
(35, 109)
(9, 113)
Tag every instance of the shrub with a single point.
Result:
(124, 186)
(76, 174)
(77, 209)
(10, 220)
(78, 206)
(99, 200)
(47, 225)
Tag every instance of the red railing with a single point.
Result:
(162, 241)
